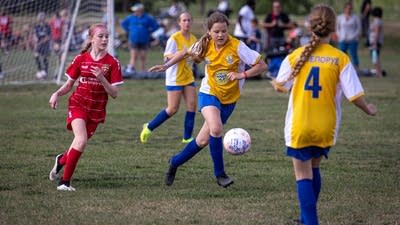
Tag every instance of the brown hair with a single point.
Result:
(322, 24)
(199, 49)
(88, 45)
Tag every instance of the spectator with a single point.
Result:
(139, 27)
(348, 29)
(243, 28)
(223, 7)
(42, 37)
(56, 25)
(365, 13)
(275, 24)
(254, 40)
(376, 38)
(5, 31)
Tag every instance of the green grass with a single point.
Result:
(120, 181)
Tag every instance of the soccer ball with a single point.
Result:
(237, 141)
(41, 74)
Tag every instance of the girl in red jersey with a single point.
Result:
(99, 75)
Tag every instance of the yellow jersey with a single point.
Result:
(314, 109)
(233, 56)
(181, 73)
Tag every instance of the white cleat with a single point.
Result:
(64, 187)
(56, 168)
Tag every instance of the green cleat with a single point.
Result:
(145, 134)
(185, 141)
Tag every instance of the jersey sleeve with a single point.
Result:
(284, 73)
(73, 71)
(247, 55)
(350, 83)
(170, 48)
(116, 75)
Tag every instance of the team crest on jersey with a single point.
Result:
(105, 67)
(221, 77)
(229, 59)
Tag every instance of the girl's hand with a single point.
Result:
(97, 71)
(158, 68)
(53, 102)
(235, 76)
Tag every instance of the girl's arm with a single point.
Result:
(255, 70)
(178, 56)
(369, 109)
(64, 89)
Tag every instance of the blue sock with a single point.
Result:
(190, 150)
(216, 153)
(189, 124)
(308, 204)
(316, 182)
(161, 117)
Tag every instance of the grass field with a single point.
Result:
(120, 181)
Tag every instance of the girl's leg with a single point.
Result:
(189, 95)
(77, 147)
(143, 57)
(316, 176)
(173, 101)
(305, 191)
(190, 150)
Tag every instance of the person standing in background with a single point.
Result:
(365, 13)
(139, 27)
(348, 29)
(243, 27)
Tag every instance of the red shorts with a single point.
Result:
(75, 113)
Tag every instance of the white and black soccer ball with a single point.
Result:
(237, 141)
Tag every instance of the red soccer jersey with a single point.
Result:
(90, 94)
(5, 24)
(56, 26)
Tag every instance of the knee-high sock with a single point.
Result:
(161, 117)
(64, 158)
(189, 124)
(46, 64)
(190, 150)
(307, 202)
(72, 161)
(216, 153)
(316, 182)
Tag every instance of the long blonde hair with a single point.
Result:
(322, 23)
(198, 50)
(88, 44)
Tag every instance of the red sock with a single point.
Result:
(72, 161)
(64, 158)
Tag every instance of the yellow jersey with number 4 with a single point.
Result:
(314, 109)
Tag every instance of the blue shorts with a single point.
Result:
(225, 109)
(138, 46)
(307, 153)
(178, 88)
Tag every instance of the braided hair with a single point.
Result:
(198, 50)
(322, 23)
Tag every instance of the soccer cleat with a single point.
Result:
(170, 175)
(145, 134)
(65, 186)
(56, 168)
(185, 141)
(224, 180)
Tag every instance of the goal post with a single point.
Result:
(28, 49)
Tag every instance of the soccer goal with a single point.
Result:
(39, 38)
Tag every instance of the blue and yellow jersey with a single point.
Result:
(314, 110)
(181, 73)
(218, 63)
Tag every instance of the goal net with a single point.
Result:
(39, 38)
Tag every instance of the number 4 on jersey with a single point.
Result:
(312, 82)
